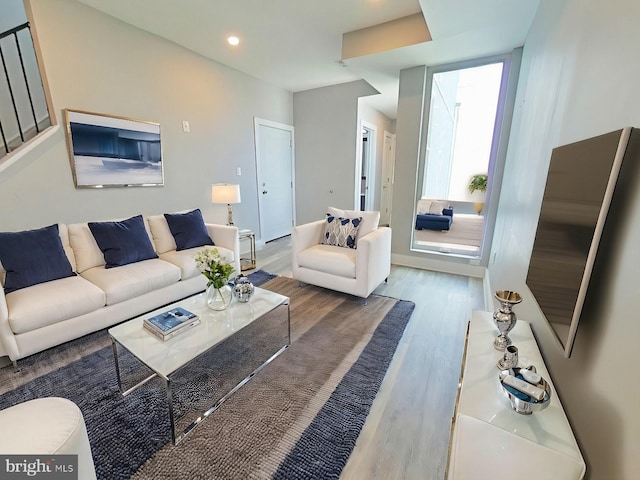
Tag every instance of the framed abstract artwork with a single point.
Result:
(112, 151)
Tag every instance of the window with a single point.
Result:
(466, 104)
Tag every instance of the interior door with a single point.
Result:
(274, 167)
(388, 163)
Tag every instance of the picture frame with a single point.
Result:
(113, 151)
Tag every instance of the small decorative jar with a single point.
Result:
(242, 288)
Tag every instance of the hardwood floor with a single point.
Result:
(406, 435)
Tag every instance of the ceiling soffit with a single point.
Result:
(402, 32)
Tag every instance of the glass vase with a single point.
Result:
(219, 298)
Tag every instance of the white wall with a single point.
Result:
(326, 123)
(97, 63)
(579, 79)
(12, 14)
(409, 128)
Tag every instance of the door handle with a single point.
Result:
(264, 192)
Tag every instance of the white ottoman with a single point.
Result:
(49, 425)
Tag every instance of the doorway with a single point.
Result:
(366, 167)
(275, 174)
(468, 109)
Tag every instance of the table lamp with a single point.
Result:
(226, 193)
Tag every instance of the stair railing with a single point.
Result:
(17, 79)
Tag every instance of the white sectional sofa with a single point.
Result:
(46, 314)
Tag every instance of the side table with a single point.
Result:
(248, 263)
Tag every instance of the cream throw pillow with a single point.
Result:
(436, 208)
(424, 206)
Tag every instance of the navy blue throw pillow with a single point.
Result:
(33, 256)
(188, 229)
(123, 242)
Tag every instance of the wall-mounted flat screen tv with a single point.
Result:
(580, 185)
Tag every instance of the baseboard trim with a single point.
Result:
(439, 265)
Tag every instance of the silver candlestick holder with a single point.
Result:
(504, 317)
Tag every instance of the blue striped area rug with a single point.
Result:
(297, 418)
(324, 447)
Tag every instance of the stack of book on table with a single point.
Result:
(170, 323)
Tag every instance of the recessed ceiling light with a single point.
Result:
(233, 40)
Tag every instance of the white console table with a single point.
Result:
(489, 439)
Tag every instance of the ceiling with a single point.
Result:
(297, 44)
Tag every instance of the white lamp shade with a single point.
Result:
(225, 193)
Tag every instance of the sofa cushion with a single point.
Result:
(85, 249)
(370, 219)
(161, 234)
(329, 259)
(188, 229)
(52, 302)
(184, 259)
(123, 242)
(132, 280)
(433, 222)
(437, 207)
(66, 245)
(341, 232)
(423, 206)
(162, 237)
(33, 256)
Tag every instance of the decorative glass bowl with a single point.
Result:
(523, 403)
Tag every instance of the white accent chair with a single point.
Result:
(47, 426)
(354, 271)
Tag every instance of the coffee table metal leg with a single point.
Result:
(288, 323)
(176, 439)
(177, 436)
(124, 392)
(115, 357)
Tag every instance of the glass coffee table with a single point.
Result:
(202, 366)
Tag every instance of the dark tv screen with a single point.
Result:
(580, 184)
